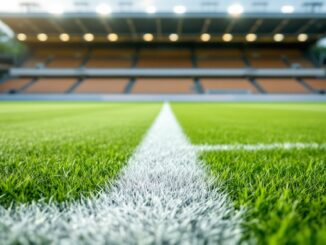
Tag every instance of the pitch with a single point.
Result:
(222, 173)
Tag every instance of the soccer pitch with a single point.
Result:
(220, 173)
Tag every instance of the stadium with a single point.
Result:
(163, 122)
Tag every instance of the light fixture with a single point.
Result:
(205, 37)
(302, 37)
(173, 37)
(113, 37)
(179, 9)
(148, 37)
(103, 9)
(278, 37)
(88, 37)
(64, 37)
(21, 37)
(227, 37)
(251, 37)
(235, 9)
(287, 9)
(42, 37)
(151, 9)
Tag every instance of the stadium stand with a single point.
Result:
(227, 85)
(102, 85)
(14, 85)
(51, 85)
(316, 84)
(163, 86)
(281, 85)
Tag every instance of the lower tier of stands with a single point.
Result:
(164, 85)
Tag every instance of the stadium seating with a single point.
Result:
(220, 63)
(218, 53)
(108, 63)
(14, 84)
(267, 63)
(64, 63)
(316, 84)
(281, 85)
(163, 86)
(102, 85)
(51, 85)
(301, 62)
(33, 62)
(227, 85)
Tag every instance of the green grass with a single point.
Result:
(253, 122)
(62, 151)
(282, 191)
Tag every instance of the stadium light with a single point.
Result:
(148, 37)
(88, 37)
(179, 9)
(173, 37)
(113, 37)
(278, 37)
(251, 37)
(21, 37)
(205, 37)
(235, 9)
(287, 9)
(64, 37)
(103, 9)
(302, 37)
(42, 37)
(151, 9)
(227, 37)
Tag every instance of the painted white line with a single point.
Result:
(163, 196)
(257, 147)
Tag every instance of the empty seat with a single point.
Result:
(227, 85)
(64, 63)
(112, 53)
(51, 85)
(108, 63)
(60, 52)
(163, 86)
(14, 84)
(317, 84)
(302, 62)
(102, 85)
(272, 53)
(164, 63)
(165, 53)
(267, 63)
(230, 53)
(220, 63)
(281, 85)
(34, 62)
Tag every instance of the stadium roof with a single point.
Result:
(188, 19)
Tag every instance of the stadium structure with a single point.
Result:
(140, 50)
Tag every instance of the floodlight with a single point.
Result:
(205, 37)
(227, 37)
(235, 9)
(64, 37)
(287, 9)
(302, 37)
(113, 37)
(173, 37)
(42, 37)
(278, 37)
(148, 37)
(251, 37)
(21, 37)
(88, 37)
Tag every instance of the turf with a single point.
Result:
(253, 123)
(61, 151)
(283, 191)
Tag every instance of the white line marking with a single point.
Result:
(257, 147)
(163, 196)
